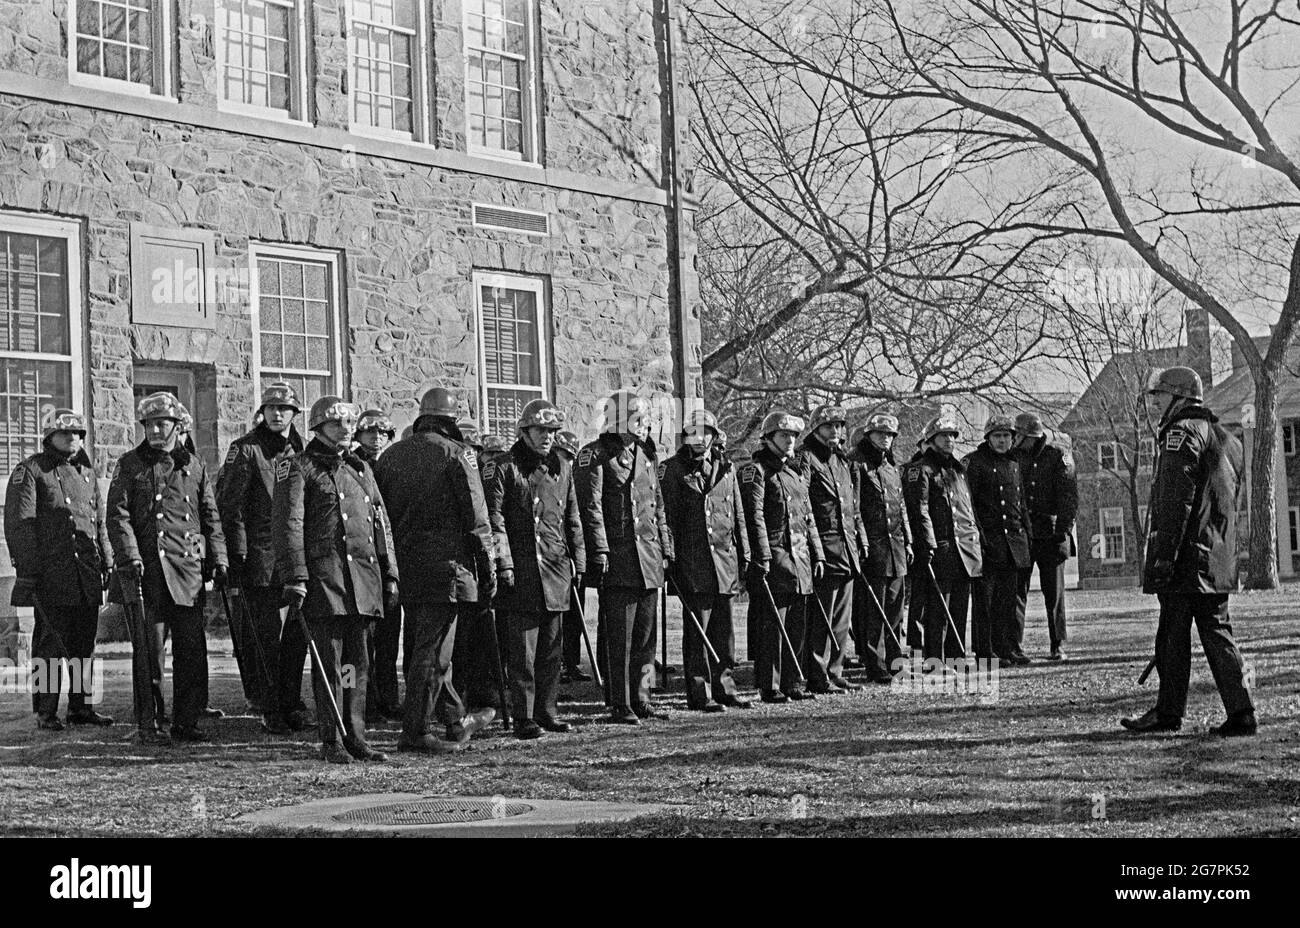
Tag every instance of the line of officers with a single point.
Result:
(475, 560)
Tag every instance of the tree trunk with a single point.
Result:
(1261, 563)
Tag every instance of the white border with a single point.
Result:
(420, 122)
(531, 154)
(163, 33)
(534, 285)
(297, 62)
(295, 253)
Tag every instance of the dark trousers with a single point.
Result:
(823, 653)
(474, 665)
(571, 636)
(189, 664)
(341, 642)
(430, 640)
(940, 639)
(1174, 651)
(773, 663)
(290, 660)
(1051, 576)
(385, 635)
(919, 591)
(994, 600)
(628, 633)
(876, 646)
(706, 679)
(68, 633)
(261, 623)
(533, 646)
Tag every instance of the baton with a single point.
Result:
(248, 625)
(143, 651)
(876, 599)
(952, 626)
(320, 669)
(582, 619)
(663, 623)
(1146, 673)
(776, 617)
(698, 627)
(830, 629)
(501, 669)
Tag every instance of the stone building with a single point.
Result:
(364, 197)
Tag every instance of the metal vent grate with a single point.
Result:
(433, 812)
(515, 220)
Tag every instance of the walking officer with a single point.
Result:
(628, 544)
(566, 446)
(1191, 553)
(1003, 520)
(833, 492)
(433, 491)
(533, 508)
(884, 519)
(332, 556)
(1052, 496)
(946, 537)
(167, 541)
(707, 521)
(785, 557)
(58, 541)
(245, 496)
(375, 433)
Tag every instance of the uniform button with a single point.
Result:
(158, 496)
(372, 558)
(345, 517)
(367, 499)
(68, 500)
(341, 496)
(349, 557)
(160, 534)
(158, 515)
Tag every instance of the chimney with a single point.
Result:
(1197, 353)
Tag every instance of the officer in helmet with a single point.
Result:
(333, 558)
(59, 545)
(1191, 553)
(375, 432)
(434, 494)
(271, 662)
(472, 435)
(533, 507)
(492, 447)
(167, 540)
(707, 522)
(785, 557)
(946, 536)
(628, 546)
(567, 447)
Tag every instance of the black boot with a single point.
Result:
(1152, 721)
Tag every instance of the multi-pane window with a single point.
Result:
(1293, 519)
(40, 330)
(297, 313)
(121, 41)
(261, 58)
(1108, 455)
(1289, 430)
(512, 347)
(498, 77)
(1146, 453)
(385, 52)
(1112, 534)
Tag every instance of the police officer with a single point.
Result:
(432, 488)
(884, 519)
(785, 557)
(375, 432)
(1003, 520)
(945, 535)
(245, 494)
(480, 641)
(628, 545)
(493, 445)
(707, 522)
(167, 540)
(533, 507)
(472, 435)
(1191, 553)
(59, 545)
(833, 492)
(332, 556)
(567, 447)
(1052, 496)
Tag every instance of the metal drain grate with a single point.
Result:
(433, 812)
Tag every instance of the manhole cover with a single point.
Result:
(433, 812)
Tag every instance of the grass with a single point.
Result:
(1047, 758)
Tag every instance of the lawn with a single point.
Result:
(1046, 758)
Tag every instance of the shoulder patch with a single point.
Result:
(282, 470)
(1174, 440)
(749, 473)
(471, 459)
(662, 469)
(232, 454)
(19, 471)
(489, 470)
(585, 456)
(912, 474)
(1067, 459)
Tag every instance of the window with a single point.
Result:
(40, 330)
(1289, 430)
(296, 320)
(1293, 519)
(512, 355)
(261, 55)
(1108, 455)
(124, 45)
(499, 94)
(1112, 535)
(386, 49)
(1146, 453)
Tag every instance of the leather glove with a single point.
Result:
(911, 555)
(597, 569)
(757, 573)
(819, 570)
(506, 578)
(294, 595)
(24, 593)
(577, 580)
(235, 574)
(924, 556)
(220, 576)
(1062, 545)
(1160, 572)
(391, 597)
(105, 577)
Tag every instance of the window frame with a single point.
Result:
(1102, 525)
(1290, 428)
(161, 41)
(76, 359)
(530, 132)
(297, 64)
(420, 69)
(277, 250)
(511, 281)
(1114, 451)
(1293, 529)
(1146, 459)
